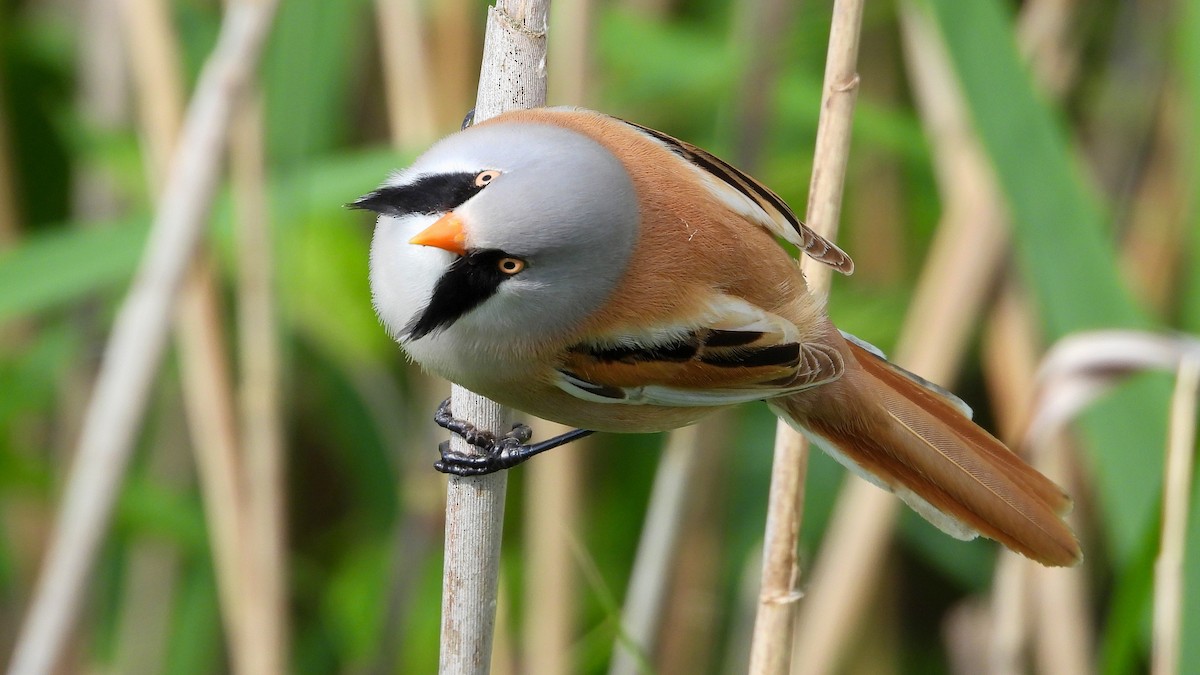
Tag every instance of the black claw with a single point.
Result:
(497, 453)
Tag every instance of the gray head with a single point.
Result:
(543, 221)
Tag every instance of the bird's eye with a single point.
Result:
(486, 177)
(510, 266)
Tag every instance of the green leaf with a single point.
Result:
(51, 269)
(310, 63)
(76, 259)
(1065, 254)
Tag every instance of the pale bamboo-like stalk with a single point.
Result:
(1006, 641)
(1177, 492)
(513, 76)
(151, 570)
(1052, 609)
(263, 604)
(570, 50)
(207, 384)
(553, 487)
(412, 118)
(1063, 617)
(412, 121)
(135, 348)
(950, 294)
(1046, 608)
(454, 55)
(655, 551)
(759, 29)
(771, 645)
(101, 99)
(687, 627)
(8, 203)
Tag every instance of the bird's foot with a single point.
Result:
(497, 453)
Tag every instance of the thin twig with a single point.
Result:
(1057, 617)
(655, 551)
(1054, 600)
(264, 603)
(962, 262)
(406, 73)
(513, 76)
(8, 203)
(455, 56)
(152, 570)
(771, 646)
(553, 502)
(138, 339)
(690, 621)
(570, 49)
(1177, 492)
(200, 332)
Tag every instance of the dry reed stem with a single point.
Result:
(513, 76)
(553, 493)
(455, 50)
(412, 121)
(151, 570)
(771, 646)
(1157, 219)
(688, 626)
(759, 30)
(971, 202)
(1006, 641)
(1177, 492)
(138, 339)
(412, 118)
(263, 530)
(640, 616)
(1062, 613)
(570, 50)
(217, 459)
(102, 100)
(1056, 617)
(421, 510)
(1055, 600)
(8, 205)
(251, 610)
(950, 294)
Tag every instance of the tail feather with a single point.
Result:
(884, 424)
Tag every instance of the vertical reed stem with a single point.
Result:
(1177, 491)
(771, 647)
(513, 76)
(138, 339)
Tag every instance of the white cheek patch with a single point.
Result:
(403, 275)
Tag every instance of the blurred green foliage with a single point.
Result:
(351, 485)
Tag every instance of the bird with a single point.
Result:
(598, 273)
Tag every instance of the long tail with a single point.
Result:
(919, 442)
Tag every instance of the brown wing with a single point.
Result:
(701, 367)
(765, 207)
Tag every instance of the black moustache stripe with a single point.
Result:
(431, 194)
(468, 283)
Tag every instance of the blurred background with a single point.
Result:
(1020, 172)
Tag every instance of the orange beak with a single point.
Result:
(445, 233)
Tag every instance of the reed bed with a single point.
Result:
(257, 495)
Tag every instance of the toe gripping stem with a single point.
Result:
(497, 454)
